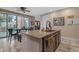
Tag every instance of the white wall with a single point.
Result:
(44, 21)
(71, 31)
(20, 21)
(37, 17)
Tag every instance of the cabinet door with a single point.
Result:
(57, 39)
(50, 44)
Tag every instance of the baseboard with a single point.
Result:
(69, 38)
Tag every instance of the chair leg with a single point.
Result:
(19, 38)
(15, 37)
(10, 38)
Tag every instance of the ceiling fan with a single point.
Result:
(23, 9)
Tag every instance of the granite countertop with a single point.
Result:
(38, 34)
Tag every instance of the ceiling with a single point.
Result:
(34, 10)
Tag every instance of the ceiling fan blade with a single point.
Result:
(18, 10)
(23, 9)
(27, 10)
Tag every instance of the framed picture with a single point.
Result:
(58, 21)
(70, 17)
(72, 20)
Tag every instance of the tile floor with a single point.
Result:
(66, 45)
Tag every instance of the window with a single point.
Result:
(3, 24)
(12, 22)
(26, 23)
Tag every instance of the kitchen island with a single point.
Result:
(40, 41)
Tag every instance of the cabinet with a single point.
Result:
(37, 25)
(52, 42)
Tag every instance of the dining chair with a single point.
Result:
(12, 34)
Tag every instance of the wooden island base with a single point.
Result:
(40, 41)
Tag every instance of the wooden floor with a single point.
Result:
(66, 45)
(9, 46)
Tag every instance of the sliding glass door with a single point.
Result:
(6, 21)
(3, 25)
(12, 22)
